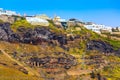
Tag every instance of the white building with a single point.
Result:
(107, 28)
(60, 22)
(37, 21)
(7, 12)
(58, 19)
(43, 16)
(119, 29)
(97, 28)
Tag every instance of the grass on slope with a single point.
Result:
(9, 71)
(112, 71)
(114, 43)
(21, 23)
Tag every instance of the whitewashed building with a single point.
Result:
(119, 29)
(58, 19)
(7, 12)
(98, 28)
(43, 16)
(60, 22)
(37, 21)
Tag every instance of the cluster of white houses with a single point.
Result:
(98, 28)
(43, 21)
(7, 12)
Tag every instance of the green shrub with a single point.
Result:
(20, 23)
(1, 21)
(54, 28)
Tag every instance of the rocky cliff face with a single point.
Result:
(34, 36)
(52, 52)
(10, 19)
(5, 31)
(100, 46)
(49, 61)
(42, 34)
(6, 18)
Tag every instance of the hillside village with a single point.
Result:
(42, 48)
(6, 15)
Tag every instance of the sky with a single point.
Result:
(105, 12)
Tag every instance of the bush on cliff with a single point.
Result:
(53, 28)
(20, 23)
(1, 21)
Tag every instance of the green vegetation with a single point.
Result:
(23, 23)
(114, 43)
(54, 28)
(20, 23)
(9, 71)
(1, 21)
(77, 49)
(115, 35)
(112, 71)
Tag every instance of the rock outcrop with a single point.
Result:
(58, 60)
(42, 34)
(5, 31)
(100, 46)
(10, 19)
(34, 36)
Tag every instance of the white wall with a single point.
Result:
(37, 21)
(96, 28)
(7, 12)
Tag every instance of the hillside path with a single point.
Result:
(30, 70)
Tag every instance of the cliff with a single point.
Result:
(52, 53)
